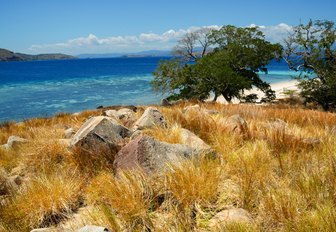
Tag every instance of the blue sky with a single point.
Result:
(102, 26)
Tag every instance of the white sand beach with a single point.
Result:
(279, 88)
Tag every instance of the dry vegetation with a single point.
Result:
(286, 184)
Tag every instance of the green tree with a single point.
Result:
(237, 55)
(310, 50)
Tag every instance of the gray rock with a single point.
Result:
(68, 133)
(236, 124)
(277, 125)
(190, 139)
(150, 118)
(151, 155)
(100, 135)
(236, 215)
(90, 228)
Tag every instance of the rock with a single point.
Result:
(165, 102)
(191, 108)
(100, 135)
(8, 184)
(151, 117)
(136, 134)
(151, 155)
(14, 142)
(68, 133)
(236, 124)
(90, 228)
(236, 215)
(14, 181)
(100, 107)
(111, 113)
(277, 125)
(190, 139)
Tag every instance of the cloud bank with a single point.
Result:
(144, 41)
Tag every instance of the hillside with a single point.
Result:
(6, 55)
(186, 167)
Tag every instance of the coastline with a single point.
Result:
(278, 87)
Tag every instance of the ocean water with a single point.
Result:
(43, 88)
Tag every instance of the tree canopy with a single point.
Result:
(310, 49)
(228, 65)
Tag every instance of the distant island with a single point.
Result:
(7, 55)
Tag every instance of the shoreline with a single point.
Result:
(278, 87)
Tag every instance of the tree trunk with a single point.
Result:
(215, 98)
(227, 98)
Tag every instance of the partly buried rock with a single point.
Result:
(236, 124)
(151, 155)
(100, 135)
(14, 142)
(150, 118)
(68, 133)
(278, 125)
(190, 139)
(90, 228)
(191, 108)
(235, 215)
(127, 116)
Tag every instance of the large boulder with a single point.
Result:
(235, 215)
(100, 135)
(91, 228)
(125, 115)
(190, 139)
(150, 118)
(14, 142)
(151, 155)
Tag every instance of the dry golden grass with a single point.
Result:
(284, 183)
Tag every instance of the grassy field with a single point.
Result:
(284, 182)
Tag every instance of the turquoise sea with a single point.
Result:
(43, 88)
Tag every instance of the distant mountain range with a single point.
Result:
(6, 55)
(149, 53)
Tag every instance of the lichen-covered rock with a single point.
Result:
(100, 135)
(151, 155)
(150, 118)
(235, 215)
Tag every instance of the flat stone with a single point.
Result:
(151, 155)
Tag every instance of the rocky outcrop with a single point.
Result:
(150, 118)
(190, 139)
(100, 135)
(91, 228)
(14, 142)
(236, 215)
(151, 155)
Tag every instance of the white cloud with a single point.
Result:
(144, 41)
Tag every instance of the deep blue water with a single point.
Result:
(43, 88)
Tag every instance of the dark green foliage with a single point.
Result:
(311, 50)
(238, 55)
